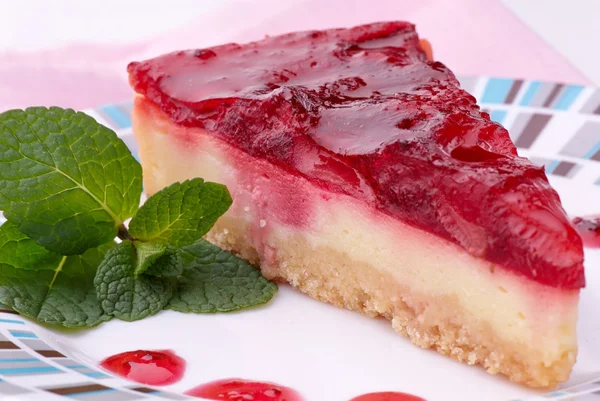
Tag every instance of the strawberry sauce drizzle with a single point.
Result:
(238, 390)
(156, 368)
(387, 396)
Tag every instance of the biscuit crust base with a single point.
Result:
(329, 275)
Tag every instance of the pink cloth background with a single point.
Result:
(472, 37)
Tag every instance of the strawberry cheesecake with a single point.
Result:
(364, 176)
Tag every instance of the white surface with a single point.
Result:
(571, 26)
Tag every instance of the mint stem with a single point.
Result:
(123, 234)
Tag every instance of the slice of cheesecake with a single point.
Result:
(365, 177)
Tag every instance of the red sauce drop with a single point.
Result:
(387, 396)
(239, 389)
(374, 107)
(156, 368)
(589, 230)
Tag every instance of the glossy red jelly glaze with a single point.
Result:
(387, 396)
(379, 122)
(156, 368)
(589, 229)
(238, 389)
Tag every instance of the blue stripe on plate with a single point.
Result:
(568, 97)
(550, 167)
(496, 90)
(530, 93)
(592, 151)
(498, 115)
(24, 371)
(12, 321)
(95, 374)
(23, 334)
(121, 119)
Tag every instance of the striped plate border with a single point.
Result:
(555, 125)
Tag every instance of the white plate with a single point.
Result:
(325, 353)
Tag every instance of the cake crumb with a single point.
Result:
(247, 209)
(263, 223)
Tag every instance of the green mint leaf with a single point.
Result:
(47, 287)
(147, 253)
(124, 294)
(170, 264)
(181, 213)
(65, 180)
(214, 280)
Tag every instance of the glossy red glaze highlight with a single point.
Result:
(238, 389)
(156, 368)
(387, 396)
(362, 111)
(589, 229)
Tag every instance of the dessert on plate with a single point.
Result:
(364, 176)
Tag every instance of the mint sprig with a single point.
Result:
(147, 253)
(67, 185)
(214, 280)
(126, 295)
(48, 287)
(181, 213)
(65, 180)
(170, 263)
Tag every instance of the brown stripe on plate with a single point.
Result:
(596, 156)
(563, 168)
(553, 94)
(144, 390)
(50, 353)
(8, 345)
(532, 130)
(86, 388)
(597, 111)
(514, 89)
